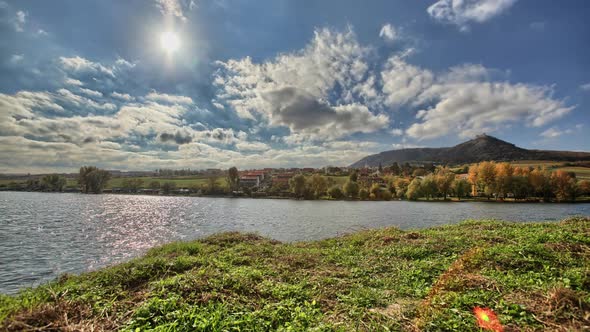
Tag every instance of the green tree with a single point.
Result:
(363, 194)
(233, 178)
(297, 185)
(375, 190)
(461, 188)
(154, 185)
(212, 184)
(429, 188)
(386, 195)
(53, 182)
(132, 184)
(351, 189)
(444, 180)
(394, 168)
(354, 176)
(168, 187)
(521, 187)
(335, 192)
(414, 189)
(318, 185)
(92, 179)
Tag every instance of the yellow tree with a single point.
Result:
(444, 179)
(472, 177)
(486, 176)
(504, 173)
(540, 180)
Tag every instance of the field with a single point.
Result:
(534, 276)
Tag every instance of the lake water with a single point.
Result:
(43, 235)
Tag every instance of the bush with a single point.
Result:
(363, 194)
(335, 192)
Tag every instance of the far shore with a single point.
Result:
(347, 199)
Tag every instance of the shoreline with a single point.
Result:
(580, 200)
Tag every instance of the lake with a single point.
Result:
(43, 235)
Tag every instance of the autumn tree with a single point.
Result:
(584, 187)
(540, 180)
(401, 186)
(363, 194)
(335, 192)
(504, 174)
(428, 187)
(472, 176)
(564, 185)
(375, 191)
(486, 176)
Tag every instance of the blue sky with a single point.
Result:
(282, 83)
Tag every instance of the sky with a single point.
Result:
(143, 85)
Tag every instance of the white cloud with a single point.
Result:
(397, 132)
(462, 12)
(122, 96)
(403, 82)
(72, 81)
(555, 132)
(171, 8)
(471, 108)
(91, 93)
(41, 32)
(78, 64)
(388, 33)
(20, 21)
(293, 90)
(585, 87)
(252, 146)
(16, 59)
(166, 98)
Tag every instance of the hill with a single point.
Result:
(481, 148)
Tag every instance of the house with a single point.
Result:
(250, 181)
(281, 180)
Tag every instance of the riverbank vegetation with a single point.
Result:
(483, 181)
(534, 276)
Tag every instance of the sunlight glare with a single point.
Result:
(169, 42)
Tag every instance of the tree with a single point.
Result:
(540, 180)
(521, 187)
(419, 172)
(351, 189)
(401, 186)
(414, 189)
(318, 185)
(297, 185)
(155, 185)
(380, 168)
(461, 188)
(363, 194)
(212, 184)
(375, 190)
(584, 187)
(486, 176)
(233, 178)
(428, 187)
(132, 184)
(93, 179)
(386, 195)
(504, 174)
(444, 180)
(472, 177)
(335, 192)
(564, 185)
(395, 170)
(53, 182)
(168, 187)
(354, 176)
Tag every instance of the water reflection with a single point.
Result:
(43, 235)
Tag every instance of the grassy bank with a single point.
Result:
(535, 276)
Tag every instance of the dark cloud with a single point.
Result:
(178, 138)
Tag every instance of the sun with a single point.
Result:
(170, 42)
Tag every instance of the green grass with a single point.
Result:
(535, 276)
